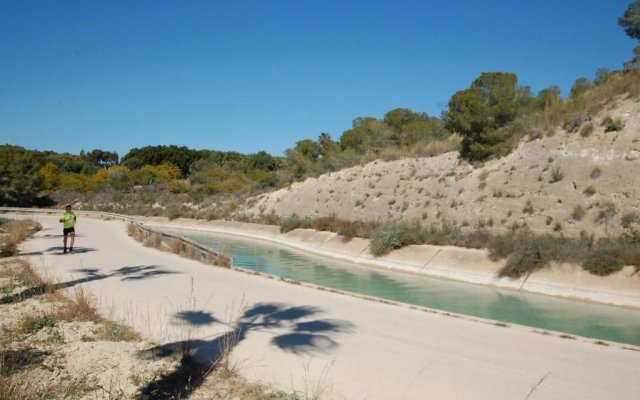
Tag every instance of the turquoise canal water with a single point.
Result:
(543, 312)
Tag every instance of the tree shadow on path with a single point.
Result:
(135, 272)
(294, 330)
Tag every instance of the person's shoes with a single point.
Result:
(70, 249)
(64, 251)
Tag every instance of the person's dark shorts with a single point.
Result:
(66, 231)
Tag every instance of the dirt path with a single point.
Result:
(296, 337)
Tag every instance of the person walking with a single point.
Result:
(68, 220)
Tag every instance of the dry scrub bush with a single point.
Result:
(525, 253)
(16, 232)
(190, 251)
(114, 332)
(155, 240)
(612, 125)
(586, 130)
(325, 223)
(80, 307)
(15, 385)
(294, 222)
(578, 213)
(219, 258)
(177, 245)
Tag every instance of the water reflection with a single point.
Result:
(544, 312)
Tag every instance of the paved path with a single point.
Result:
(292, 335)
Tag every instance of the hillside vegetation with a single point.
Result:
(569, 178)
(498, 160)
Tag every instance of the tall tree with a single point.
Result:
(102, 158)
(182, 157)
(580, 86)
(630, 20)
(549, 97)
(20, 180)
(367, 134)
(261, 160)
(478, 113)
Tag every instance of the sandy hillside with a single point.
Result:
(565, 183)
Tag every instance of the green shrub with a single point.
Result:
(612, 125)
(178, 186)
(444, 234)
(526, 259)
(630, 218)
(34, 324)
(605, 259)
(573, 122)
(173, 213)
(394, 236)
(589, 191)
(526, 253)
(294, 222)
(556, 175)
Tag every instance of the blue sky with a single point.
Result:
(261, 75)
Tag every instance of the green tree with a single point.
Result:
(182, 157)
(548, 97)
(327, 145)
(102, 158)
(20, 178)
(308, 149)
(397, 118)
(261, 160)
(492, 101)
(602, 76)
(635, 61)
(401, 120)
(630, 20)
(580, 87)
(367, 134)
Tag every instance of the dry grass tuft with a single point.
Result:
(81, 307)
(177, 245)
(15, 232)
(118, 333)
(225, 364)
(220, 259)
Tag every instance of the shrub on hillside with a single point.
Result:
(525, 253)
(443, 234)
(294, 222)
(394, 236)
(72, 181)
(234, 184)
(178, 186)
(612, 125)
(573, 122)
(325, 223)
(606, 258)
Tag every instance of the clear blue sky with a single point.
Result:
(261, 75)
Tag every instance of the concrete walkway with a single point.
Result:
(296, 337)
